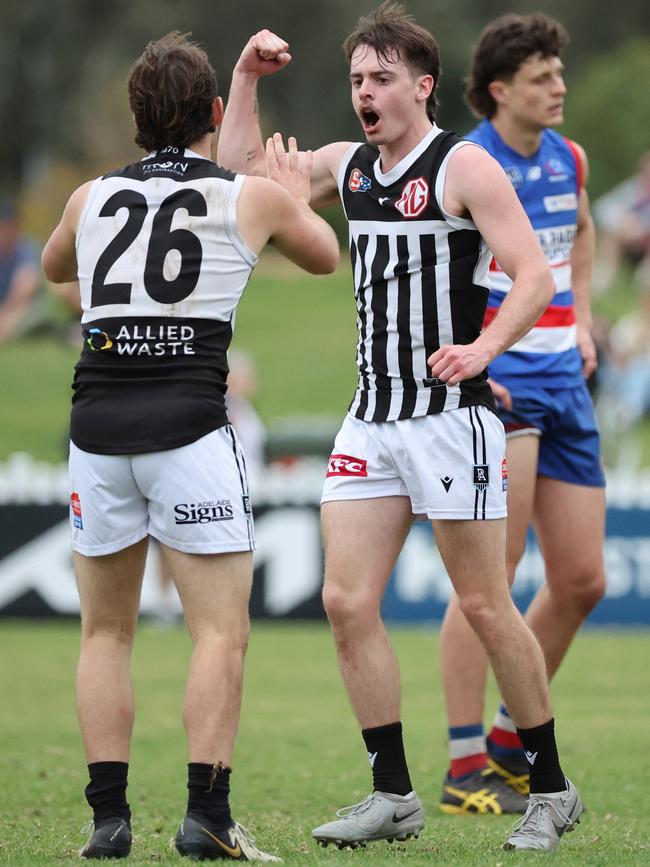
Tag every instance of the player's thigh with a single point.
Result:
(569, 522)
(109, 589)
(362, 540)
(474, 556)
(214, 590)
(521, 454)
(197, 495)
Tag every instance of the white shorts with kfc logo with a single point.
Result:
(193, 498)
(451, 465)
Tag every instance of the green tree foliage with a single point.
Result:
(609, 112)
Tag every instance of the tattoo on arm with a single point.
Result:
(256, 105)
(251, 154)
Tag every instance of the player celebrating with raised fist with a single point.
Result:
(422, 436)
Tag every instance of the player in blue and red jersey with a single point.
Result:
(553, 454)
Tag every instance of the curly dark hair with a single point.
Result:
(504, 45)
(392, 32)
(172, 88)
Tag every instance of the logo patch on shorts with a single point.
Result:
(205, 512)
(481, 477)
(446, 483)
(504, 475)
(75, 505)
(346, 465)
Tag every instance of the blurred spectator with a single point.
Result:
(243, 385)
(623, 219)
(20, 274)
(630, 347)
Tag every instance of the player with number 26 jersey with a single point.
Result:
(160, 274)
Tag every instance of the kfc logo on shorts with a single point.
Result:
(346, 465)
(358, 182)
(504, 475)
(414, 198)
(75, 505)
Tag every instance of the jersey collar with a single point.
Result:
(406, 162)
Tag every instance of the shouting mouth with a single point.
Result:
(369, 119)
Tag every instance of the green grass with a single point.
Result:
(299, 755)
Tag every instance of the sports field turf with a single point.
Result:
(299, 756)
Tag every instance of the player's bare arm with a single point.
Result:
(477, 185)
(59, 259)
(582, 257)
(240, 141)
(276, 209)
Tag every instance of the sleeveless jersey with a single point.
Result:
(420, 279)
(548, 185)
(161, 268)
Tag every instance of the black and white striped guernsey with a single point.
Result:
(420, 279)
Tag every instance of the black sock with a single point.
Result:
(106, 791)
(209, 787)
(386, 754)
(541, 752)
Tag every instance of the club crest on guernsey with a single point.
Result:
(414, 198)
(481, 477)
(358, 182)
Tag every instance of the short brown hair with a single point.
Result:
(392, 31)
(503, 47)
(172, 88)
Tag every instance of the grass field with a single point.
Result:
(299, 756)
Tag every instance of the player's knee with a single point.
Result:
(115, 629)
(584, 594)
(347, 609)
(480, 612)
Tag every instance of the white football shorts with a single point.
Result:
(193, 498)
(451, 465)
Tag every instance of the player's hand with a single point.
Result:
(453, 363)
(501, 394)
(264, 54)
(291, 169)
(587, 350)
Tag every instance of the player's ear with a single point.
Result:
(498, 90)
(425, 86)
(217, 111)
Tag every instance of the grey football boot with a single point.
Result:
(380, 816)
(547, 818)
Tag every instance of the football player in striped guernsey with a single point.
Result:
(163, 250)
(421, 437)
(516, 86)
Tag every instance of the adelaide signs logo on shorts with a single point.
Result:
(481, 477)
(203, 513)
(346, 465)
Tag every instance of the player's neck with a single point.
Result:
(392, 153)
(203, 147)
(523, 139)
